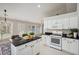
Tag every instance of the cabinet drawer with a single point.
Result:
(22, 46)
(24, 51)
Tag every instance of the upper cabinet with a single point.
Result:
(73, 21)
(65, 21)
(78, 8)
(52, 23)
(70, 21)
(78, 13)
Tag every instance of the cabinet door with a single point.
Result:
(75, 46)
(70, 45)
(59, 23)
(54, 24)
(25, 50)
(64, 44)
(43, 39)
(48, 40)
(74, 22)
(67, 45)
(65, 22)
(36, 48)
(78, 8)
(45, 23)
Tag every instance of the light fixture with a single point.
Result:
(5, 14)
(38, 6)
(3, 25)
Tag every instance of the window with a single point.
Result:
(33, 28)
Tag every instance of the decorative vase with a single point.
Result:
(30, 37)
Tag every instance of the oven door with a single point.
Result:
(56, 41)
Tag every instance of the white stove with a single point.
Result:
(55, 41)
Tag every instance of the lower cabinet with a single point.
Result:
(35, 48)
(30, 48)
(46, 39)
(27, 50)
(70, 45)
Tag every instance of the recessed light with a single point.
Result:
(38, 6)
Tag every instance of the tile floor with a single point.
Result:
(46, 50)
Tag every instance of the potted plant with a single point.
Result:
(25, 36)
(31, 35)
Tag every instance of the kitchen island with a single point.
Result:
(26, 47)
(24, 41)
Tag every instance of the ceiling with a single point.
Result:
(30, 11)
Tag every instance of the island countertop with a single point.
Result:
(23, 41)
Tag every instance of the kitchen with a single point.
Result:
(63, 34)
(58, 31)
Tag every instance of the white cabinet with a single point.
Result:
(30, 48)
(45, 23)
(36, 47)
(73, 21)
(46, 39)
(76, 46)
(43, 38)
(54, 23)
(78, 13)
(70, 21)
(24, 50)
(65, 21)
(64, 44)
(59, 23)
(70, 45)
(78, 8)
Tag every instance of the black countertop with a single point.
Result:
(23, 41)
(70, 37)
